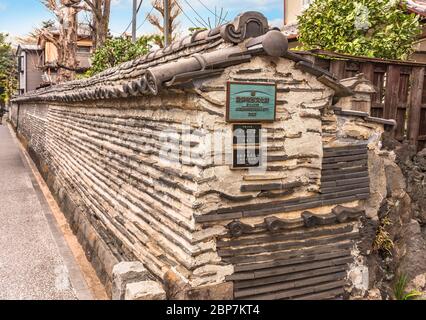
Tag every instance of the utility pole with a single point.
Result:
(166, 23)
(134, 20)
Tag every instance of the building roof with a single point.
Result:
(28, 47)
(83, 30)
(204, 54)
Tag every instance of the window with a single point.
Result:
(21, 64)
(81, 49)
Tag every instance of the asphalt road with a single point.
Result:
(35, 262)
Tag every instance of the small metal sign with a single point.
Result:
(246, 146)
(251, 102)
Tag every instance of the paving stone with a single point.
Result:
(145, 290)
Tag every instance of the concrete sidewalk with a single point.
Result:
(35, 261)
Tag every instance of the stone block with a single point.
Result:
(378, 189)
(176, 286)
(223, 291)
(68, 207)
(105, 255)
(145, 290)
(352, 130)
(410, 251)
(125, 273)
(395, 180)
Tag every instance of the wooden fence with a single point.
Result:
(400, 86)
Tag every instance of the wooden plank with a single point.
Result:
(277, 237)
(288, 277)
(281, 263)
(416, 93)
(338, 68)
(343, 194)
(261, 187)
(326, 178)
(344, 182)
(286, 206)
(282, 208)
(324, 295)
(367, 68)
(352, 181)
(211, 218)
(392, 89)
(285, 246)
(270, 186)
(315, 265)
(273, 272)
(344, 171)
(345, 165)
(289, 254)
(338, 153)
(339, 200)
(256, 210)
(298, 292)
(346, 148)
(345, 158)
(289, 285)
(345, 188)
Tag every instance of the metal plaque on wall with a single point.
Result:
(246, 146)
(251, 102)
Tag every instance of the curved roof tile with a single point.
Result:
(204, 54)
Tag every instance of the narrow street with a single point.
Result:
(35, 260)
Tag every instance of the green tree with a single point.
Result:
(118, 50)
(372, 28)
(8, 72)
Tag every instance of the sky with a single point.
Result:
(19, 17)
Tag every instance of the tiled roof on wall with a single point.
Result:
(203, 54)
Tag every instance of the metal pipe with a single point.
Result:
(166, 23)
(134, 17)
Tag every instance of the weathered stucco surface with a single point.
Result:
(200, 228)
(102, 160)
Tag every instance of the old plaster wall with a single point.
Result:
(294, 157)
(102, 160)
(294, 140)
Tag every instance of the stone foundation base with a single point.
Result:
(97, 251)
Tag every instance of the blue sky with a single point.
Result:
(19, 17)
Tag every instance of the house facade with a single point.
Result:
(50, 54)
(293, 8)
(30, 59)
(37, 63)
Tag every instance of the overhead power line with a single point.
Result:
(131, 21)
(218, 19)
(203, 22)
(146, 18)
(200, 21)
(184, 13)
